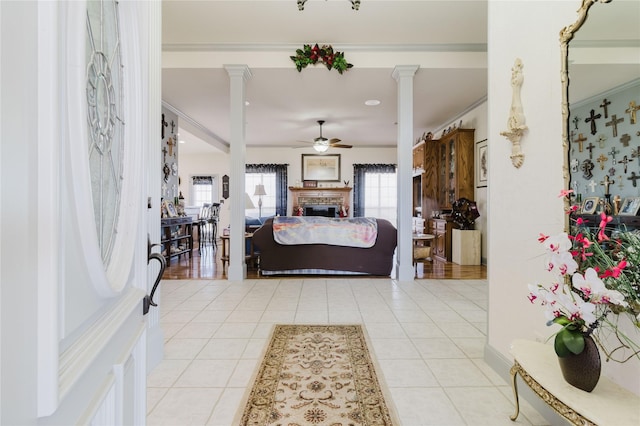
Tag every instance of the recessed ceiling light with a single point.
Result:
(372, 102)
(246, 103)
(180, 141)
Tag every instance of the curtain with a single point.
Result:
(282, 189)
(202, 180)
(359, 172)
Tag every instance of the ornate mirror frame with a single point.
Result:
(566, 35)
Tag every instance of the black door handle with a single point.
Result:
(148, 299)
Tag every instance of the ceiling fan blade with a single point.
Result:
(333, 140)
(340, 145)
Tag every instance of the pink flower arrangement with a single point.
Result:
(597, 279)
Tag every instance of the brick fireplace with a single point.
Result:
(320, 201)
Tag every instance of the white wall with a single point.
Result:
(219, 164)
(523, 202)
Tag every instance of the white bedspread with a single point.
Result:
(350, 232)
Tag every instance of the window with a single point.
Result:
(268, 200)
(380, 196)
(204, 189)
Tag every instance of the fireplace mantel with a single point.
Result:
(320, 196)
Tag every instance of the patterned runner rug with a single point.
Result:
(317, 375)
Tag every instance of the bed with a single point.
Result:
(329, 258)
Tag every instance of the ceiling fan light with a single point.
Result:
(321, 146)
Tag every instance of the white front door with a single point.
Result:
(86, 177)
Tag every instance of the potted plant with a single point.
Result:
(597, 281)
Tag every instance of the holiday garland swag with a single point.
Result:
(325, 54)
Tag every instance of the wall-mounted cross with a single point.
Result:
(635, 153)
(173, 127)
(634, 178)
(614, 124)
(620, 182)
(606, 183)
(576, 120)
(592, 185)
(163, 124)
(579, 141)
(602, 159)
(632, 111)
(575, 185)
(164, 153)
(624, 139)
(587, 167)
(612, 171)
(605, 103)
(574, 165)
(171, 143)
(590, 149)
(613, 153)
(624, 161)
(602, 138)
(592, 119)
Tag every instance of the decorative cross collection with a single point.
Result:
(620, 115)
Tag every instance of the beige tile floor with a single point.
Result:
(427, 337)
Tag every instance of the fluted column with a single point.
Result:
(238, 74)
(404, 74)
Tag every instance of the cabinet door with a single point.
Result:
(443, 174)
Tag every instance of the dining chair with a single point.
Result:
(203, 226)
(214, 218)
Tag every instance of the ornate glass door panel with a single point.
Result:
(105, 123)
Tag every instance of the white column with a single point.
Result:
(403, 74)
(238, 74)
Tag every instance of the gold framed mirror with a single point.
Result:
(600, 51)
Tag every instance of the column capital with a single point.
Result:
(238, 70)
(404, 71)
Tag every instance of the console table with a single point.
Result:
(176, 236)
(608, 404)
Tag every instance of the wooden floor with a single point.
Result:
(209, 266)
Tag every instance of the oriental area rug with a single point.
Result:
(317, 375)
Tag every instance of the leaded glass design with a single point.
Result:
(104, 115)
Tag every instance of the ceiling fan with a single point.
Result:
(321, 144)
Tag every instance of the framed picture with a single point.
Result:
(482, 166)
(309, 183)
(630, 206)
(171, 209)
(321, 168)
(590, 204)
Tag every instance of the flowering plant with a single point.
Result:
(598, 281)
(312, 55)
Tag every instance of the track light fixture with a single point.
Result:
(355, 4)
